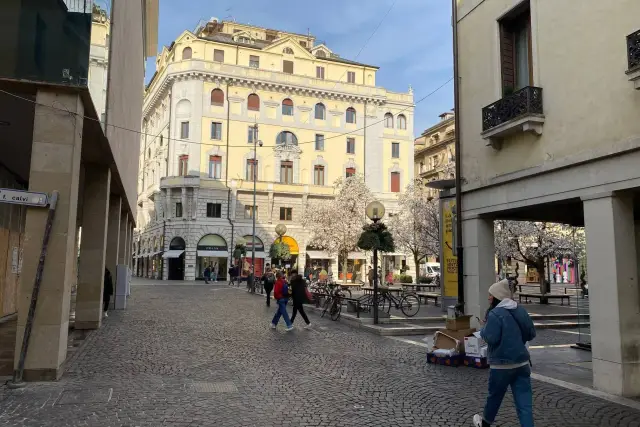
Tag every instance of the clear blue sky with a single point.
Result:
(412, 46)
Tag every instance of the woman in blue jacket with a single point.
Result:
(507, 329)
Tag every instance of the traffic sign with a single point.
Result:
(19, 197)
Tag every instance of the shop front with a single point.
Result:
(175, 258)
(212, 251)
(291, 264)
(260, 254)
(317, 260)
(355, 266)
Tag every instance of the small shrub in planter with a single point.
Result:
(406, 278)
(424, 279)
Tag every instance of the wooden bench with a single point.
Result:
(429, 295)
(544, 299)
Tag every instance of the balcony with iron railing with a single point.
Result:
(517, 112)
(633, 58)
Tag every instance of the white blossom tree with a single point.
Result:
(416, 226)
(335, 225)
(531, 242)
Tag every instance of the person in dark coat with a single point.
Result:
(269, 280)
(299, 297)
(108, 291)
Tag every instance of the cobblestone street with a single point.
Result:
(205, 356)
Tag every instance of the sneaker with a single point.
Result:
(479, 422)
(307, 326)
(290, 328)
(273, 326)
(105, 314)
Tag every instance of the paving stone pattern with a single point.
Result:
(205, 356)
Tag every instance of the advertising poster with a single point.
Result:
(450, 261)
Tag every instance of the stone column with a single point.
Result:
(113, 235)
(55, 165)
(479, 264)
(185, 207)
(167, 193)
(614, 295)
(194, 209)
(95, 209)
(122, 247)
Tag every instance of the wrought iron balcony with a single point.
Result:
(633, 57)
(520, 111)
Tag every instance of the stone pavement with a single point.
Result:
(205, 356)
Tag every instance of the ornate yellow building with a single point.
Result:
(435, 152)
(319, 117)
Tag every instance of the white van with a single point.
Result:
(432, 270)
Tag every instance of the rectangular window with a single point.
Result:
(285, 214)
(214, 210)
(184, 130)
(319, 142)
(349, 172)
(254, 61)
(303, 43)
(320, 72)
(395, 150)
(249, 211)
(351, 146)
(218, 55)
(215, 167)
(178, 210)
(286, 172)
(250, 134)
(515, 50)
(216, 130)
(318, 175)
(287, 67)
(351, 76)
(395, 182)
(252, 169)
(183, 165)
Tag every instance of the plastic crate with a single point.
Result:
(476, 362)
(445, 360)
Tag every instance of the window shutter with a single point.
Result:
(507, 58)
(253, 102)
(217, 97)
(218, 55)
(287, 67)
(395, 182)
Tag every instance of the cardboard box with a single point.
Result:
(446, 339)
(459, 323)
(473, 345)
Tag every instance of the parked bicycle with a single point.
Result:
(408, 302)
(333, 304)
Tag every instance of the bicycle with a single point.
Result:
(408, 303)
(334, 304)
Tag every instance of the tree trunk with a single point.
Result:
(416, 260)
(541, 276)
(345, 262)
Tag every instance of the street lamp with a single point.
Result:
(281, 230)
(253, 210)
(375, 212)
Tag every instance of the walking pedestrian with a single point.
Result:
(214, 272)
(207, 274)
(269, 279)
(107, 292)
(232, 275)
(507, 329)
(281, 294)
(299, 297)
(370, 275)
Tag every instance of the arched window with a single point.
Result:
(320, 112)
(217, 97)
(287, 50)
(388, 120)
(253, 102)
(351, 115)
(402, 122)
(186, 53)
(287, 107)
(286, 138)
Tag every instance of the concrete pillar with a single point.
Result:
(479, 264)
(167, 199)
(130, 247)
(113, 235)
(185, 207)
(122, 246)
(194, 209)
(612, 267)
(55, 165)
(95, 210)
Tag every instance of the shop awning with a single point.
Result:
(155, 253)
(318, 255)
(356, 255)
(392, 254)
(214, 254)
(174, 253)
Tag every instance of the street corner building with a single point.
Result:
(549, 131)
(319, 117)
(71, 94)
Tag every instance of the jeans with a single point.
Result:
(268, 289)
(299, 308)
(214, 277)
(520, 381)
(282, 311)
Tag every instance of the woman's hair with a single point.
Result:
(494, 304)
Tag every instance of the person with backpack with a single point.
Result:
(299, 297)
(507, 329)
(269, 280)
(281, 294)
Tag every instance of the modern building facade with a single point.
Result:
(434, 154)
(549, 134)
(319, 117)
(71, 88)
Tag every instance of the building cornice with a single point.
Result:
(435, 147)
(438, 126)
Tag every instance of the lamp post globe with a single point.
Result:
(281, 229)
(375, 211)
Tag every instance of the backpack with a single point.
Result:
(285, 290)
(270, 280)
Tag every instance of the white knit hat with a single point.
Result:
(500, 290)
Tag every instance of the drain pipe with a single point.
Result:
(226, 177)
(458, 131)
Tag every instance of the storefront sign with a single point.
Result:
(450, 267)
